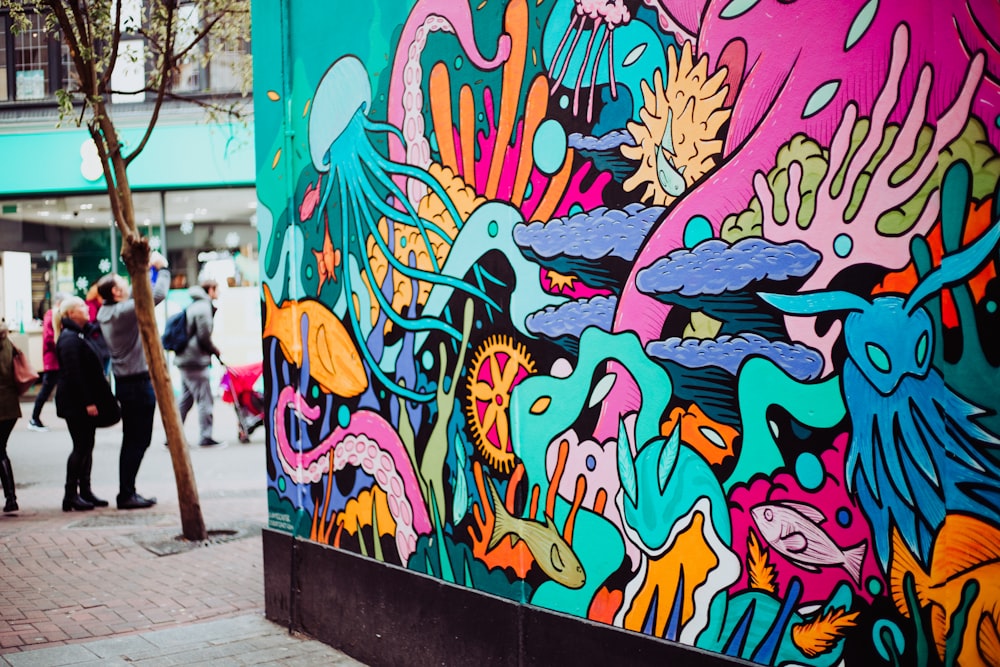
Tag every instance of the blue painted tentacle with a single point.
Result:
(394, 214)
(426, 179)
(354, 318)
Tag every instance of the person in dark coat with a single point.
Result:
(10, 412)
(82, 385)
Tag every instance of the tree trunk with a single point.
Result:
(135, 253)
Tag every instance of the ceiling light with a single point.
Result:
(43, 214)
(91, 220)
(86, 207)
(252, 204)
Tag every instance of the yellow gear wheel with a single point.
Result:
(499, 364)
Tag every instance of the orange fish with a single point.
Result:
(966, 550)
(334, 360)
(328, 259)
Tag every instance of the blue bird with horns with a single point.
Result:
(916, 451)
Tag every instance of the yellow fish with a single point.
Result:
(334, 360)
(966, 550)
(554, 556)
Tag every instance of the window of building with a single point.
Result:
(34, 65)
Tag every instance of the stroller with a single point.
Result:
(238, 388)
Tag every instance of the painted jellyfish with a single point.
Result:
(366, 184)
(591, 16)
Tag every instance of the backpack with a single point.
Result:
(175, 333)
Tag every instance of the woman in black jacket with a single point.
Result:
(81, 391)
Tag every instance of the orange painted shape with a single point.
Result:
(691, 554)
(515, 24)
(554, 192)
(714, 441)
(440, 103)
(467, 134)
(535, 109)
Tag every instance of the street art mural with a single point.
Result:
(681, 316)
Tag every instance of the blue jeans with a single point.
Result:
(135, 393)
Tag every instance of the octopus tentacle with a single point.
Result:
(405, 102)
(367, 441)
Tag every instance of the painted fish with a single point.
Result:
(554, 556)
(334, 360)
(793, 530)
(964, 570)
(327, 260)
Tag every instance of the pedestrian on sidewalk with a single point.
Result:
(120, 327)
(82, 392)
(50, 363)
(195, 359)
(10, 412)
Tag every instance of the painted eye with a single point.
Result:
(922, 349)
(878, 357)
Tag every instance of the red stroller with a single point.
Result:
(238, 388)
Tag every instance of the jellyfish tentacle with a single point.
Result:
(379, 126)
(426, 179)
(562, 43)
(611, 63)
(569, 53)
(420, 274)
(583, 67)
(394, 190)
(593, 75)
(418, 324)
(354, 317)
(394, 214)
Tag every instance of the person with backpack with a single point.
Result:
(193, 357)
(120, 326)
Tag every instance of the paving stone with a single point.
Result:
(85, 589)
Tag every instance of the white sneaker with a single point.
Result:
(35, 425)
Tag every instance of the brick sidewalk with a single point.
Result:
(69, 578)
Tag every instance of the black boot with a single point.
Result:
(72, 502)
(85, 491)
(7, 479)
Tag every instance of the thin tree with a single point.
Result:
(100, 36)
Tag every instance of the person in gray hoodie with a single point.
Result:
(196, 358)
(134, 390)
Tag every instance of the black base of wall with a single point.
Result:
(385, 615)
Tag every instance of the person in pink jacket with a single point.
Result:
(50, 365)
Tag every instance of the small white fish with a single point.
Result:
(554, 556)
(793, 530)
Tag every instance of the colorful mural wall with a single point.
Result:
(676, 315)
